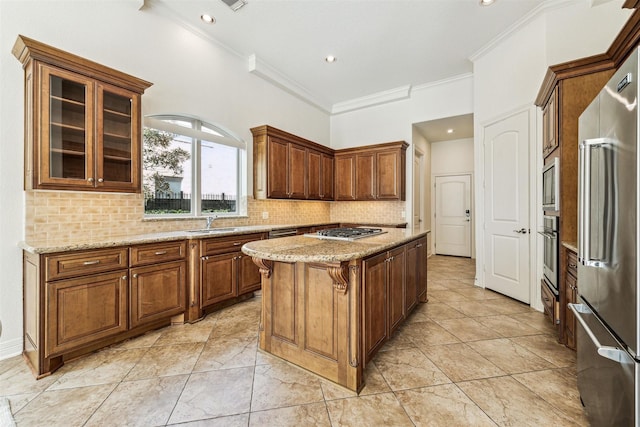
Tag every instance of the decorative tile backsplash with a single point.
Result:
(68, 216)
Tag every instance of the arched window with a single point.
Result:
(190, 167)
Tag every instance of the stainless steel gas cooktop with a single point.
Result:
(347, 233)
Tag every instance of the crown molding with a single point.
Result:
(445, 81)
(391, 95)
(265, 71)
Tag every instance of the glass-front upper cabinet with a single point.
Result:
(67, 129)
(83, 126)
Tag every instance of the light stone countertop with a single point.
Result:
(311, 249)
(48, 247)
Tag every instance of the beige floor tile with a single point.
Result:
(442, 405)
(19, 401)
(559, 388)
(140, 403)
(375, 410)
(548, 348)
(467, 329)
(314, 414)
(398, 341)
(427, 333)
(69, 407)
(227, 352)
(281, 384)
(18, 379)
(104, 367)
(184, 334)
(241, 325)
(509, 356)
(476, 293)
(537, 320)
(507, 326)
(445, 296)
(451, 284)
(437, 310)
(461, 363)
(403, 369)
(509, 403)
(144, 341)
(214, 394)
(166, 360)
(473, 308)
(241, 420)
(505, 305)
(374, 383)
(9, 363)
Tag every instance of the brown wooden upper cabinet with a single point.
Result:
(550, 124)
(372, 172)
(286, 166)
(83, 126)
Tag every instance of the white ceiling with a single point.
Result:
(384, 47)
(437, 130)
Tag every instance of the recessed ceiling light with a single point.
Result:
(208, 18)
(486, 2)
(330, 58)
(449, 130)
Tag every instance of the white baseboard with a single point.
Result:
(10, 348)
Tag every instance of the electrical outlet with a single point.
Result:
(404, 215)
(265, 215)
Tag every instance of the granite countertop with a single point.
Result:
(571, 246)
(47, 247)
(310, 249)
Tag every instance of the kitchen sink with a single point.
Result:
(214, 230)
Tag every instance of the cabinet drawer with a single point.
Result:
(158, 252)
(221, 245)
(86, 262)
(572, 263)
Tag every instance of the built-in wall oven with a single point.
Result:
(550, 259)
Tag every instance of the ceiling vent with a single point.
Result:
(235, 4)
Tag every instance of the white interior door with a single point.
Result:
(418, 189)
(453, 215)
(506, 235)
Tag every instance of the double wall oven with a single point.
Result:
(550, 259)
(550, 230)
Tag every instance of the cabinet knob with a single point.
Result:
(100, 180)
(135, 275)
(124, 277)
(89, 179)
(204, 258)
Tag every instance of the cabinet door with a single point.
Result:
(365, 176)
(66, 146)
(297, 172)
(117, 139)
(327, 178)
(218, 281)
(421, 263)
(396, 288)
(157, 292)
(374, 303)
(411, 277)
(571, 291)
(345, 178)
(550, 125)
(314, 175)
(82, 311)
(277, 153)
(388, 175)
(249, 278)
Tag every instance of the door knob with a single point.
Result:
(521, 231)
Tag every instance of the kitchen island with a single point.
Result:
(329, 305)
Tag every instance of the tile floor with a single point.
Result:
(469, 357)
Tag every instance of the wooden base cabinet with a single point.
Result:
(571, 297)
(77, 302)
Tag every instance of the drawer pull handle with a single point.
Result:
(97, 261)
(161, 252)
(419, 245)
(237, 243)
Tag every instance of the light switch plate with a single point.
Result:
(265, 215)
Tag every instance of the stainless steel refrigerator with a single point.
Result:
(607, 307)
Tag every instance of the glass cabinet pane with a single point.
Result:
(116, 137)
(67, 129)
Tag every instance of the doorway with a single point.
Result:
(453, 215)
(418, 190)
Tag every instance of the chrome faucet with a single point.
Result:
(210, 220)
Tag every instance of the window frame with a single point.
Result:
(162, 122)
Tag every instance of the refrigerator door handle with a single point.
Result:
(612, 353)
(584, 199)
